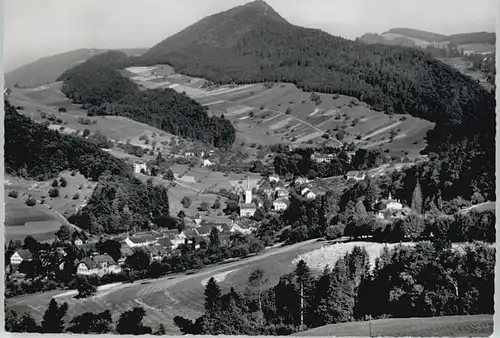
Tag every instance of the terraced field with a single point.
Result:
(283, 113)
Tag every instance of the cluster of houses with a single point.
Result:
(277, 192)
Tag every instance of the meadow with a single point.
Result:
(449, 326)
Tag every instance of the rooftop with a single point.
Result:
(25, 254)
(142, 238)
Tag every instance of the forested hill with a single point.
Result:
(456, 39)
(32, 150)
(244, 45)
(99, 86)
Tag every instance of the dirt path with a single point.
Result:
(382, 130)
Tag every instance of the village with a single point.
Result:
(195, 231)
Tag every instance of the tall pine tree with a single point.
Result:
(53, 318)
(416, 199)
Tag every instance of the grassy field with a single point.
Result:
(167, 297)
(22, 220)
(260, 115)
(66, 203)
(42, 220)
(450, 326)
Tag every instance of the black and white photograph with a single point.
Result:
(249, 168)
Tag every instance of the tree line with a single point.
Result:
(298, 162)
(29, 146)
(120, 204)
(129, 322)
(397, 285)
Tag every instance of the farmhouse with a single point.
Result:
(356, 175)
(98, 265)
(281, 193)
(281, 204)
(322, 158)
(138, 241)
(20, 256)
(175, 238)
(234, 227)
(140, 167)
(391, 208)
(307, 193)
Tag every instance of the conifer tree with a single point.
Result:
(416, 200)
(212, 296)
(53, 318)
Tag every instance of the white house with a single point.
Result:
(20, 256)
(189, 154)
(391, 208)
(140, 240)
(356, 175)
(140, 167)
(281, 192)
(307, 193)
(237, 228)
(280, 204)
(207, 163)
(274, 178)
(97, 265)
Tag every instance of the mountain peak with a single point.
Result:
(258, 7)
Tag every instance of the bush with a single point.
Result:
(62, 110)
(13, 194)
(186, 202)
(76, 196)
(54, 192)
(30, 202)
(334, 231)
(63, 181)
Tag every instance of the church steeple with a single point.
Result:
(248, 192)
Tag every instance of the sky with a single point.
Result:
(38, 28)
